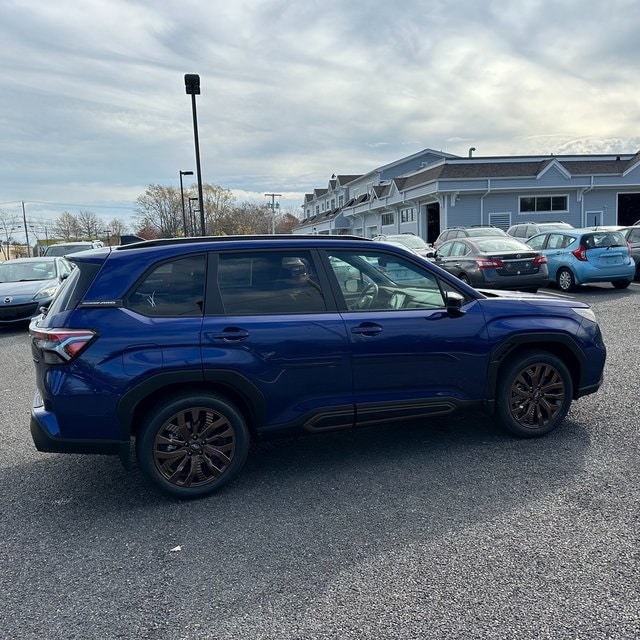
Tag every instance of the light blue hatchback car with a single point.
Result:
(582, 256)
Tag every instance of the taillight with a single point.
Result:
(580, 253)
(541, 259)
(61, 345)
(489, 264)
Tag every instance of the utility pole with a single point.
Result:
(273, 197)
(26, 232)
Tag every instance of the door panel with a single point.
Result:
(275, 329)
(409, 354)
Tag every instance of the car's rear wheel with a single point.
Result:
(534, 394)
(621, 284)
(566, 280)
(191, 445)
(465, 278)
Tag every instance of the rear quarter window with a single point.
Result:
(74, 287)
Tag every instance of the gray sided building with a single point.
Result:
(430, 191)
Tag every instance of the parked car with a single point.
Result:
(64, 248)
(409, 240)
(27, 284)
(193, 347)
(582, 256)
(526, 230)
(467, 232)
(632, 236)
(494, 262)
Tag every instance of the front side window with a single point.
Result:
(374, 280)
(269, 282)
(171, 289)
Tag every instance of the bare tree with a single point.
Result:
(7, 225)
(89, 223)
(117, 228)
(159, 209)
(66, 226)
(286, 223)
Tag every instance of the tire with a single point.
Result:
(464, 278)
(621, 284)
(180, 457)
(566, 280)
(534, 394)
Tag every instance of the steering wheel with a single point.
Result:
(368, 295)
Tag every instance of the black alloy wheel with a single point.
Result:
(534, 394)
(192, 445)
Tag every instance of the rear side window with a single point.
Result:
(269, 282)
(174, 288)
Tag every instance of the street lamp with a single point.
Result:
(184, 214)
(192, 86)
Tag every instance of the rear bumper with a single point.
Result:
(50, 443)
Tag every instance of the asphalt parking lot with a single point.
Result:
(443, 529)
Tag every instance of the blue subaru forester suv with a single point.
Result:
(192, 347)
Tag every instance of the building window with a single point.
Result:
(542, 204)
(340, 200)
(317, 209)
(387, 218)
(408, 214)
(333, 203)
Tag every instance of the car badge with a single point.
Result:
(8, 300)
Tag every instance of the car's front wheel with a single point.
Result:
(191, 445)
(534, 394)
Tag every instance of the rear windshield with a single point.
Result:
(485, 231)
(500, 244)
(603, 240)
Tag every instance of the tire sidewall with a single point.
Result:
(506, 380)
(153, 422)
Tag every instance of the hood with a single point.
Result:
(29, 287)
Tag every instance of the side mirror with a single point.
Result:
(352, 285)
(454, 303)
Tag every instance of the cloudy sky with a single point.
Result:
(93, 107)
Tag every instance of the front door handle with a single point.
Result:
(230, 334)
(367, 329)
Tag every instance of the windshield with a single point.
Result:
(414, 242)
(64, 249)
(14, 271)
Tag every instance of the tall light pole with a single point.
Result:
(273, 197)
(192, 86)
(184, 213)
(192, 222)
